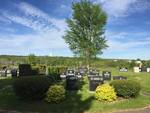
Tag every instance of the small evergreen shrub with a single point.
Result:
(126, 88)
(32, 87)
(105, 92)
(55, 94)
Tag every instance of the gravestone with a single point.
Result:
(63, 76)
(14, 72)
(106, 75)
(136, 69)
(144, 69)
(124, 69)
(119, 78)
(148, 70)
(78, 74)
(72, 82)
(70, 72)
(25, 70)
(93, 73)
(83, 71)
(95, 81)
(4, 71)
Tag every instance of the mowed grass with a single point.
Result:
(77, 101)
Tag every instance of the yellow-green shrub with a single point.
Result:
(105, 92)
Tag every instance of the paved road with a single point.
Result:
(145, 110)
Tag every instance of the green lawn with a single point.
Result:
(76, 101)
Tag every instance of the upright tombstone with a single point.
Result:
(79, 75)
(119, 78)
(94, 81)
(70, 72)
(148, 70)
(144, 69)
(14, 72)
(4, 71)
(63, 76)
(124, 69)
(72, 82)
(25, 70)
(81, 72)
(106, 75)
(93, 73)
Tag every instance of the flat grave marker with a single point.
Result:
(119, 78)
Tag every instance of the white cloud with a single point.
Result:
(115, 45)
(3, 19)
(48, 31)
(122, 8)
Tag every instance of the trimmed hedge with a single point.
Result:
(25, 70)
(32, 87)
(126, 88)
(55, 94)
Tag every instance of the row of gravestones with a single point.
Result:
(95, 78)
(73, 77)
(4, 72)
(24, 70)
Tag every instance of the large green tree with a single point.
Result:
(85, 33)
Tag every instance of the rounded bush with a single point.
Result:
(31, 88)
(126, 88)
(105, 92)
(55, 94)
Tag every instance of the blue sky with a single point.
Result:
(37, 26)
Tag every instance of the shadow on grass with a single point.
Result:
(78, 101)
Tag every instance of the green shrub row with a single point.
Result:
(126, 88)
(31, 87)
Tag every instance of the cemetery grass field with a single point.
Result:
(78, 101)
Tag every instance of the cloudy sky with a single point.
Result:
(37, 26)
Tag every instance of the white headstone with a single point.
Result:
(148, 70)
(136, 69)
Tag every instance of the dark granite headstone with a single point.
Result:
(70, 72)
(93, 73)
(72, 83)
(4, 73)
(119, 78)
(106, 75)
(63, 76)
(78, 74)
(25, 70)
(94, 81)
(83, 71)
(14, 72)
(144, 69)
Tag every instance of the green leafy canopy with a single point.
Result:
(85, 35)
